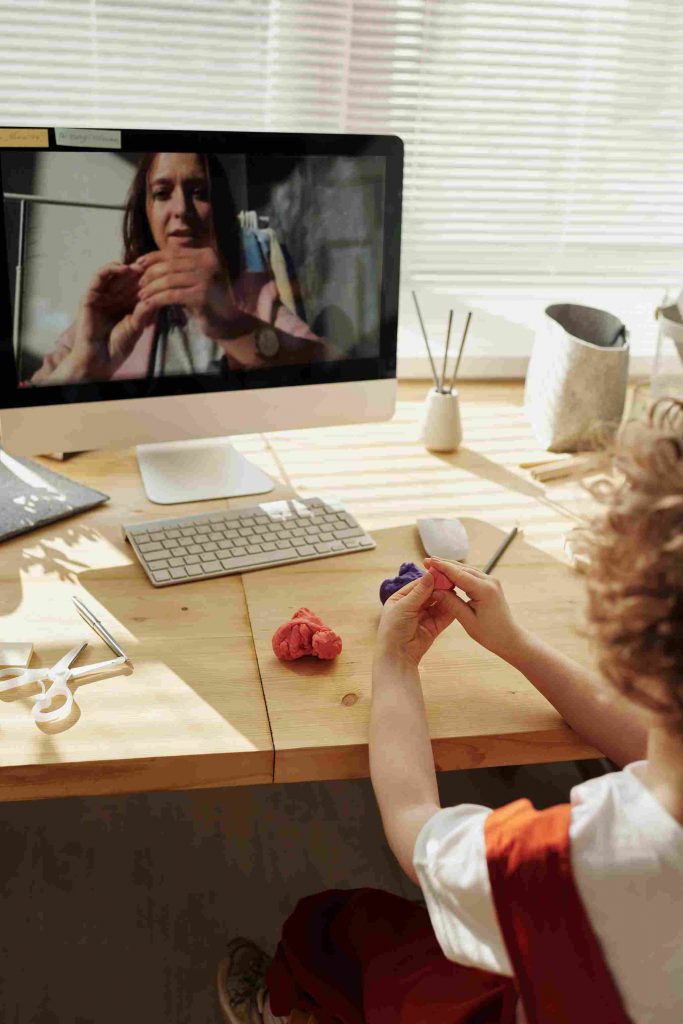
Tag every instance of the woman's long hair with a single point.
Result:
(137, 236)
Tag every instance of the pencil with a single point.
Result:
(498, 554)
(461, 350)
(442, 386)
(424, 335)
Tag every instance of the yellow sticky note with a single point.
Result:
(17, 138)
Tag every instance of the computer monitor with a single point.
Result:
(181, 286)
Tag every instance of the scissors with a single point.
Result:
(54, 682)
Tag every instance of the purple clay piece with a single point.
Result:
(407, 571)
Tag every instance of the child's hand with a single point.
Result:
(486, 617)
(412, 619)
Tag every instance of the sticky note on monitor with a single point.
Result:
(20, 138)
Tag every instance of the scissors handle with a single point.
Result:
(58, 688)
(11, 677)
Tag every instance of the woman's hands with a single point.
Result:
(192, 278)
(417, 614)
(110, 320)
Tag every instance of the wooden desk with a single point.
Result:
(199, 710)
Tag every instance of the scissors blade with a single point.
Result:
(64, 664)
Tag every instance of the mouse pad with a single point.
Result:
(32, 496)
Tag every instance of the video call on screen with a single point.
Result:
(291, 245)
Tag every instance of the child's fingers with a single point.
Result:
(415, 593)
(459, 565)
(471, 583)
(452, 607)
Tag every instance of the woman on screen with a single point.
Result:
(180, 302)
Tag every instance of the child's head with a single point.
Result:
(635, 577)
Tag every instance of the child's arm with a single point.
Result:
(401, 759)
(611, 725)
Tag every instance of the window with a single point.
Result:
(544, 147)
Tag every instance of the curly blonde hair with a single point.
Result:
(635, 571)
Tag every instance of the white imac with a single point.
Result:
(170, 288)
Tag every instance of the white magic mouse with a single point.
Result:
(444, 538)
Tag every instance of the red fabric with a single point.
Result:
(366, 957)
(560, 970)
(362, 956)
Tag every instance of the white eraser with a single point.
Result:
(15, 655)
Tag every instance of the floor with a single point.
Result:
(118, 909)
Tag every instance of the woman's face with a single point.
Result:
(178, 204)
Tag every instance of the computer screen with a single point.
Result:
(182, 286)
(181, 263)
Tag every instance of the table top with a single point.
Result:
(207, 703)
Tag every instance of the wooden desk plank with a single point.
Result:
(480, 711)
(192, 713)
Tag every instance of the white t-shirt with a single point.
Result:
(627, 861)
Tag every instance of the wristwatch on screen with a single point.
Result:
(267, 342)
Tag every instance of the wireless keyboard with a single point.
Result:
(220, 543)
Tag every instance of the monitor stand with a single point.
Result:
(182, 471)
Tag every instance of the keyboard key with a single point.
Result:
(178, 573)
(306, 549)
(212, 566)
(239, 550)
(343, 534)
(171, 534)
(156, 536)
(160, 563)
(336, 545)
(326, 536)
(178, 552)
(191, 559)
(194, 570)
(352, 542)
(203, 528)
(214, 535)
(249, 561)
(207, 556)
(323, 548)
(224, 545)
(161, 575)
(269, 547)
(365, 542)
(210, 546)
(146, 549)
(175, 561)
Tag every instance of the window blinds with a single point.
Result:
(544, 147)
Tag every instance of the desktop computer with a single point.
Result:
(185, 286)
(167, 289)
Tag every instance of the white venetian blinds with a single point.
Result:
(544, 138)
